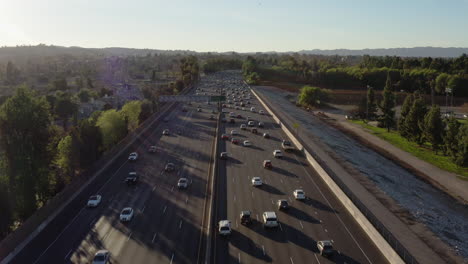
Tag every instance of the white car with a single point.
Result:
(270, 219)
(152, 149)
(247, 143)
(251, 124)
(243, 127)
(261, 112)
(299, 194)
(126, 214)
(133, 156)
(252, 109)
(182, 183)
(232, 114)
(166, 132)
(94, 200)
(224, 227)
(277, 153)
(101, 257)
(256, 181)
(234, 132)
(287, 145)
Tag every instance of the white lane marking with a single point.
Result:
(238, 254)
(334, 211)
(280, 226)
(300, 222)
(93, 222)
(186, 199)
(237, 224)
(143, 210)
(164, 210)
(154, 237)
(315, 255)
(68, 254)
(129, 236)
(161, 173)
(281, 180)
(252, 195)
(172, 189)
(180, 224)
(234, 198)
(272, 201)
(154, 188)
(233, 179)
(290, 258)
(257, 217)
(316, 212)
(263, 248)
(172, 258)
(326, 230)
(290, 200)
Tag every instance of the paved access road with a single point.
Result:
(167, 221)
(319, 217)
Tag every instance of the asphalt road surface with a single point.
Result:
(167, 221)
(319, 217)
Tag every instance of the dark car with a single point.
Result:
(266, 135)
(325, 248)
(234, 141)
(225, 136)
(283, 204)
(245, 218)
(224, 155)
(267, 164)
(232, 121)
(239, 116)
(132, 178)
(254, 130)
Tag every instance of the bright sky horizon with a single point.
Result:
(242, 25)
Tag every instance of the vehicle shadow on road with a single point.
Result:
(291, 160)
(271, 189)
(319, 205)
(248, 246)
(283, 172)
(342, 259)
(256, 148)
(299, 238)
(301, 215)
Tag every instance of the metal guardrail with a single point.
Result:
(386, 234)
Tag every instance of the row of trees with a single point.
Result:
(39, 158)
(221, 64)
(249, 70)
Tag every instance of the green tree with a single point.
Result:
(414, 120)
(405, 109)
(79, 82)
(252, 78)
(6, 220)
(112, 126)
(84, 95)
(12, 73)
(146, 111)
(89, 82)
(65, 107)
(371, 106)
(131, 112)
(433, 127)
(450, 138)
(90, 141)
(60, 84)
(68, 158)
(24, 139)
(312, 96)
(462, 153)
(441, 82)
(386, 106)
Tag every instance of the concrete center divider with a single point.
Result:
(11, 245)
(389, 253)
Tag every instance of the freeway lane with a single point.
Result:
(166, 226)
(320, 217)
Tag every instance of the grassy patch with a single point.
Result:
(423, 152)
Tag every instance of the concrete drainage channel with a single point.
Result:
(389, 253)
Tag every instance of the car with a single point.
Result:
(248, 102)
(254, 131)
(133, 156)
(239, 116)
(245, 218)
(252, 109)
(223, 120)
(169, 167)
(243, 127)
(251, 123)
(224, 227)
(247, 143)
(267, 164)
(211, 117)
(94, 200)
(224, 155)
(325, 248)
(249, 118)
(277, 153)
(152, 149)
(282, 204)
(126, 214)
(299, 194)
(256, 181)
(225, 136)
(166, 132)
(237, 108)
(261, 112)
(234, 141)
(242, 104)
(234, 132)
(232, 114)
(198, 109)
(287, 145)
(101, 257)
(232, 121)
(270, 219)
(266, 135)
(260, 124)
(182, 183)
(132, 178)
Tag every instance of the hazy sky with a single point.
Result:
(239, 25)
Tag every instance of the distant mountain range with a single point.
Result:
(402, 52)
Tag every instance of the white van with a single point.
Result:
(224, 227)
(270, 219)
(252, 109)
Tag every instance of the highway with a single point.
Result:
(167, 224)
(319, 217)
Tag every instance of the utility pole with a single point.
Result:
(447, 91)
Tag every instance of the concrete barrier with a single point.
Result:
(384, 247)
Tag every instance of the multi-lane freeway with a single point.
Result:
(167, 222)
